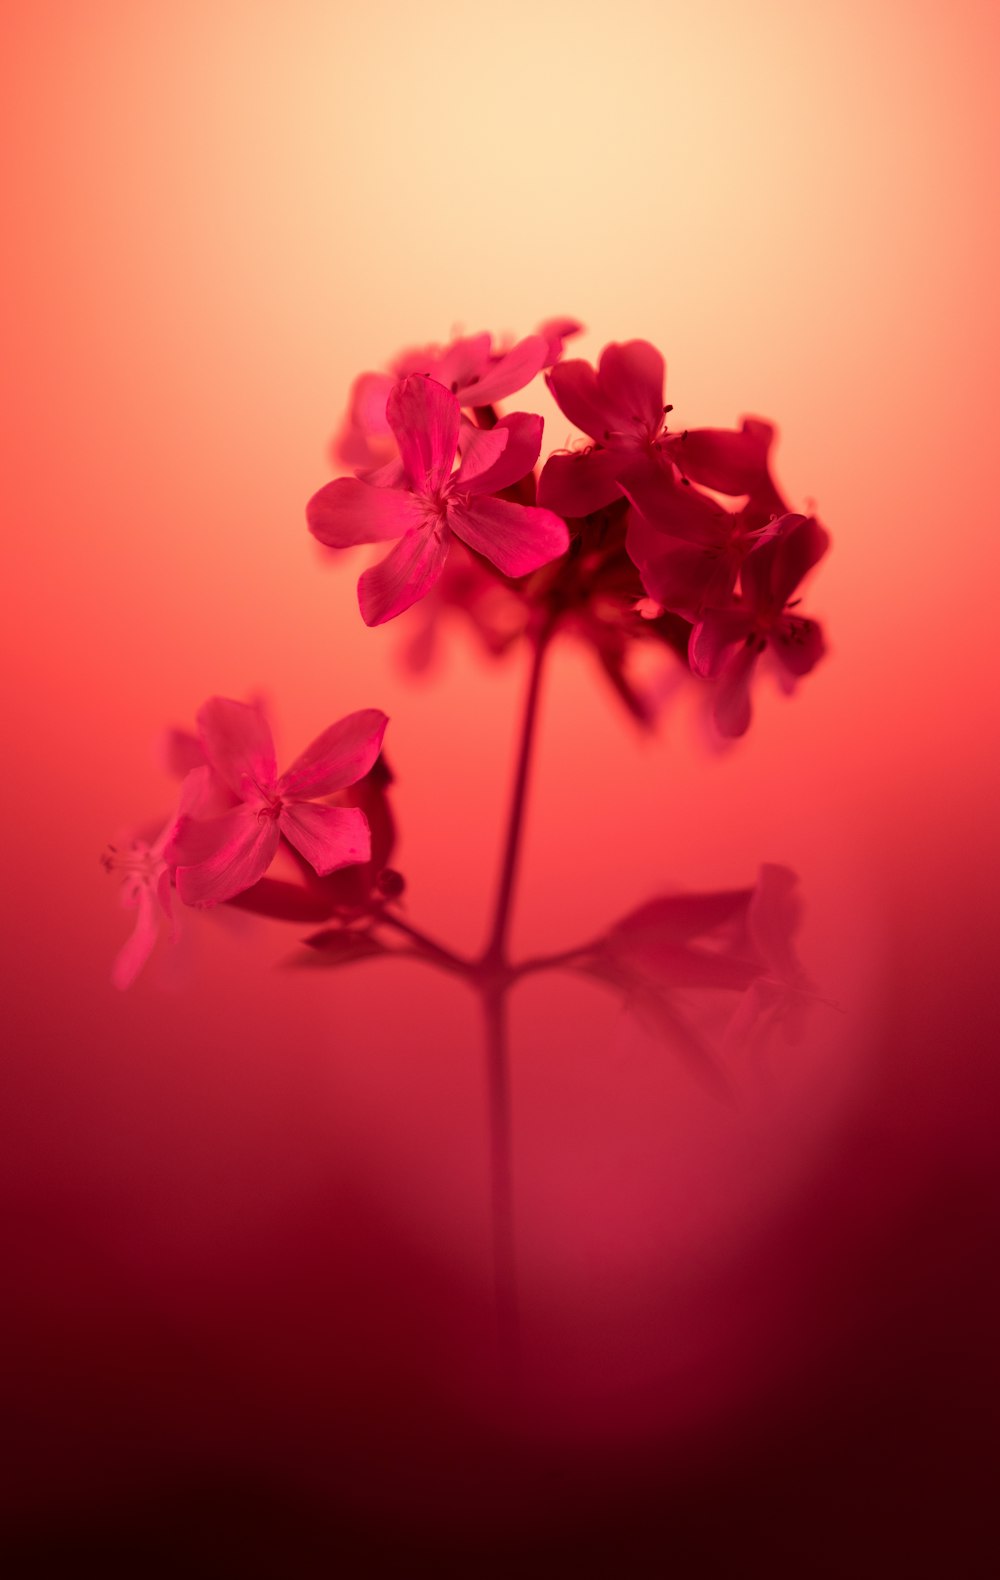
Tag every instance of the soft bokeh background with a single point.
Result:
(248, 1275)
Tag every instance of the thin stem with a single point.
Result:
(565, 957)
(494, 1002)
(497, 948)
(427, 945)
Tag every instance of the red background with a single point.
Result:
(249, 1265)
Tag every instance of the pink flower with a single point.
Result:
(729, 460)
(145, 890)
(147, 873)
(557, 331)
(424, 502)
(476, 374)
(219, 858)
(685, 546)
(727, 642)
(620, 407)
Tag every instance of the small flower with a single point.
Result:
(147, 880)
(145, 890)
(620, 407)
(220, 857)
(686, 547)
(475, 373)
(727, 642)
(424, 502)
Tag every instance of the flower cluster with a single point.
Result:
(637, 532)
(634, 533)
(234, 812)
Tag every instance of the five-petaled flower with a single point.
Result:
(727, 642)
(620, 407)
(423, 499)
(218, 858)
(476, 374)
(147, 873)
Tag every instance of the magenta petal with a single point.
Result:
(424, 416)
(480, 448)
(679, 918)
(138, 947)
(795, 553)
(719, 630)
(674, 509)
(574, 388)
(327, 836)
(732, 698)
(557, 331)
(245, 842)
(391, 474)
(683, 577)
(237, 743)
(630, 380)
(579, 481)
(732, 461)
(798, 643)
(369, 394)
(510, 373)
(516, 538)
(341, 756)
(348, 511)
(460, 364)
(406, 573)
(773, 920)
(523, 431)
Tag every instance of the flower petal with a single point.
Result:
(327, 836)
(369, 394)
(341, 756)
(138, 947)
(523, 432)
(679, 918)
(732, 698)
(798, 643)
(244, 842)
(508, 374)
(773, 569)
(461, 363)
(574, 388)
(237, 743)
(406, 574)
(579, 481)
(630, 382)
(480, 449)
(796, 551)
(516, 538)
(717, 631)
(672, 508)
(685, 578)
(424, 416)
(730, 460)
(773, 920)
(556, 332)
(349, 511)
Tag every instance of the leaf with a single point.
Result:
(340, 946)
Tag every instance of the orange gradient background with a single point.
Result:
(250, 1215)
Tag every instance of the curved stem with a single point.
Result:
(496, 949)
(494, 1002)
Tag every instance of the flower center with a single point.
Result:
(137, 862)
